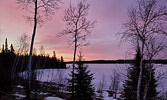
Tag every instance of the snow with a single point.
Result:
(161, 70)
(53, 98)
(20, 86)
(105, 94)
(59, 75)
(109, 98)
(99, 70)
(19, 96)
(41, 93)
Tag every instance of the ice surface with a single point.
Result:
(99, 70)
(57, 75)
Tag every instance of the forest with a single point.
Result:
(27, 72)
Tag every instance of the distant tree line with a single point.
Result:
(12, 63)
(39, 61)
(121, 61)
(7, 57)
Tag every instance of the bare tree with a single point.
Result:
(102, 84)
(115, 80)
(78, 26)
(23, 44)
(42, 50)
(34, 53)
(145, 21)
(153, 47)
(41, 11)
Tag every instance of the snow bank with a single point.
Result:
(60, 75)
(19, 96)
(20, 86)
(53, 98)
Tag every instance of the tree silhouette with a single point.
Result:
(23, 44)
(130, 85)
(83, 88)
(6, 60)
(12, 49)
(42, 9)
(3, 48)
(145, 25)
(78, 26)
(6, 45)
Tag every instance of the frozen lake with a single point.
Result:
(102, 72)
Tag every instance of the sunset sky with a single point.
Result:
(104, 44)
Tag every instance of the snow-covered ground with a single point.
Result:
(19, 96)
(53, 98)
(102, 72)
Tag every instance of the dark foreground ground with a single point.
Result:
(45, 89)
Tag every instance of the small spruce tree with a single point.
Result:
(83, 89)
(130, 85)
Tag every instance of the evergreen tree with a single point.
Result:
(130, 85)
(6, 62)
(62, 59)
(12, 49)
(62, 64)
(6, 45)
(54, 54)
(83, 89)
(3, 49)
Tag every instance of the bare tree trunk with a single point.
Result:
(13, 73)
(115, 80)
(30, 55)
(140, 73)
(101, 86)
(75, 49)
(146, 23)
(149, 80)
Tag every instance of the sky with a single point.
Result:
(104, 42)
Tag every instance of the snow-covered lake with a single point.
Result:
(101, 72)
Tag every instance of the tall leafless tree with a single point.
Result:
(41, 11)
(42, 50)
(153, 48)
(145, 21)
(78, 26)
(22, 44)
(101, 85)
(115, 81)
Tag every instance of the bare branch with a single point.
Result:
(78, 26)
(45, 9)
(77, 23)
(145, 25)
